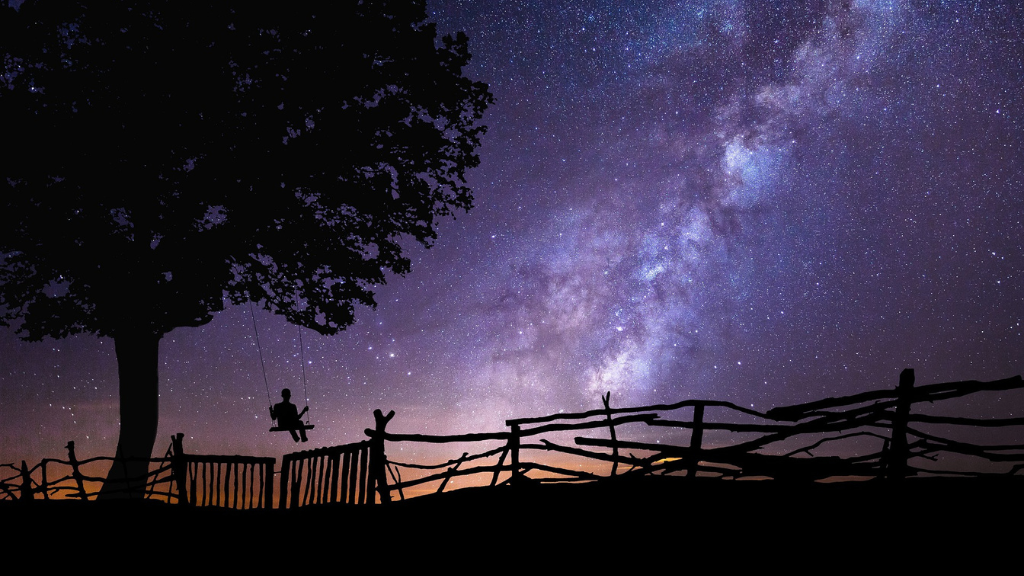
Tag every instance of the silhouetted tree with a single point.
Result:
(169, 157)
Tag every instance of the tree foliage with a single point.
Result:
(169, 155)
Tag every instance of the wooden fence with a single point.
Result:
(239, 482)
(333, 475)
(78, 479)
(882, 436)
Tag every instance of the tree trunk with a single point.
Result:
(137, 363)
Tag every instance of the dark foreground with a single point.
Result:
(651, 520)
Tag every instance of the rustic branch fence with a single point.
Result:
(334, 475)
(779, 444)
(78, 478)
(239, 482)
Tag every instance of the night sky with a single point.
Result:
(725, 200)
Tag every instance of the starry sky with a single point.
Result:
(758, 202)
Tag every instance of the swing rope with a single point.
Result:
(302, 359)
(270, 401)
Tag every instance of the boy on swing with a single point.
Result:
(287, 417)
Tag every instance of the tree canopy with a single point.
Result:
(169, 157)
(171, 153)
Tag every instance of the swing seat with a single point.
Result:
(303, 427)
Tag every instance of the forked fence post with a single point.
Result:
(896, 468)
(696, 439)
(75, 472)
(378, 460)
(611, 427)
(179, 468)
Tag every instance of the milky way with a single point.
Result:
(728, 200)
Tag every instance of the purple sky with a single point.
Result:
(725, 200)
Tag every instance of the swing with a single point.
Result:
(302, 426)
(299, 425)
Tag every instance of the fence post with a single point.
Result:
(898, 449)
(179, 468)
(294, 490)
(26, 482)
(398, 480)
(696, 439)
(334, 464)
(267, 477)
(44, 486)
(497, 469)
(286, 464)
(451, 471)
(513, 448)
(611, 427)
(378, 460)
(75, 472)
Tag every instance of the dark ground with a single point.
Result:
(663, 520)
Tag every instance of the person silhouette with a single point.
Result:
(287, 417)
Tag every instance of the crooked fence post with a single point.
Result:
(75, 472)
(179, 468)
(378, 460)
(26, 482)
(44, 486)
(696, 439)
(896, 469)
(497, 469)
(611, 427)
(452, 471)
(398, 480)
